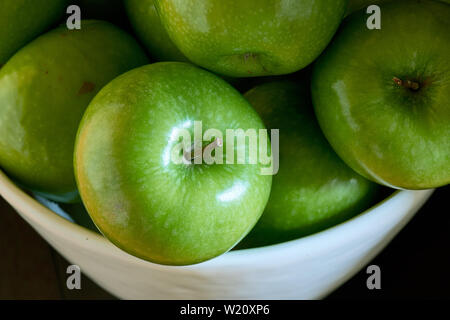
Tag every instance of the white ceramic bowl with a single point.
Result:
(307, 268)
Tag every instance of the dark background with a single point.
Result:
(416, 264)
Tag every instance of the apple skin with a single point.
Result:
(167, 213)
(45, 89)
(313, 189)
(149, 29)
(253, 37)
(391, 134)
(23, 20)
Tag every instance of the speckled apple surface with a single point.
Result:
(382, 96)
(251, 38)
(148, 27)
(313, 189)
(142, 201)
(44, 91)
(23, 20)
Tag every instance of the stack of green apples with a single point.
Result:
(89, 117)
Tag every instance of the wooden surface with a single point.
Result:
(30, 268)
(414, 265)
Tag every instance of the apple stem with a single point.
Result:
(408, 84)
(189, 155)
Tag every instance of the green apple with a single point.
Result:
(148, 27)
(382, 96)
(23, 20)
(314, 189)
(148, 205)
(44, 91)
(253, 37)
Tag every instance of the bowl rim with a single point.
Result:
(25, 203)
